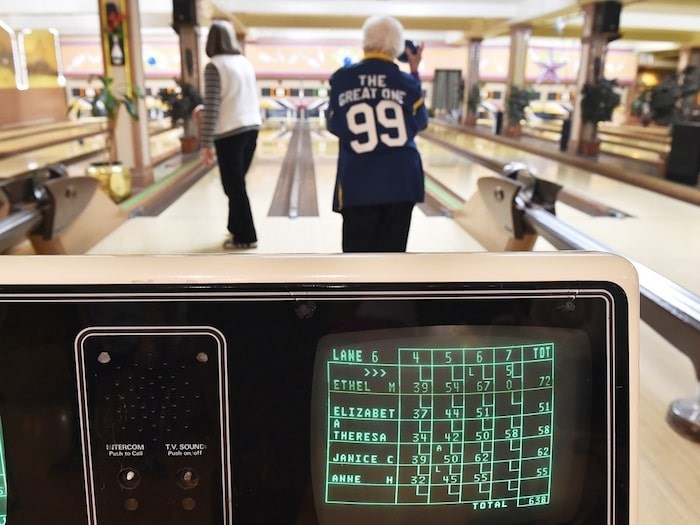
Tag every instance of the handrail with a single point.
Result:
(16, 227)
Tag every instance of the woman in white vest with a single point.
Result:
(230, 123)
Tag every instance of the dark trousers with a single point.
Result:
(377, 228)
(234, 154)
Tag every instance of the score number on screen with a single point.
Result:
(426, 426)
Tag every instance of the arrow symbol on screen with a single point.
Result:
(367, 372)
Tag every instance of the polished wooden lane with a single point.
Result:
(78, 154)
(669, 465)
(658, 231)
(632, 142)
(636, 149)
(23, 140)
(25, 149)
(197, 222)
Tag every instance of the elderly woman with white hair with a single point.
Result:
(376, 110)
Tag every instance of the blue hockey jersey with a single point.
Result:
(376, 110)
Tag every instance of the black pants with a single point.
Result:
(234, 154)
(377, 228)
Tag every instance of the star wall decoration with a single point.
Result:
(549, 69)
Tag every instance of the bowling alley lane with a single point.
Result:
(657, 231)
(27, 138)
(196, 223)
(73, 144)
(627, 142)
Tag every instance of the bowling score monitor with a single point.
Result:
(450, 389)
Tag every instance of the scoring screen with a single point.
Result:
(480, 421)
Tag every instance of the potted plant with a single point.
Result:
(181, 104)
(516, 101)
(473, 103)
(598, 101)
(662, 102)
(674, 103)
(673, 100)
(106, 102)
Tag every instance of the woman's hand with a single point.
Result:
(208, 155)
(415, 58)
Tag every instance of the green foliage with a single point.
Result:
(106, 101)
(516, 102)
(599, 100)
(673, 100)
(663, 102)
(181, 103)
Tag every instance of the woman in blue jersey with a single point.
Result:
(376, 110)
(230, 122)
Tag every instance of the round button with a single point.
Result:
(129, 478)
(131, 504)
(187, 478)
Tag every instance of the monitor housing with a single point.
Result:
(402, 389)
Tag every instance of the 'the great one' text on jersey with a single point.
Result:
(376, 110)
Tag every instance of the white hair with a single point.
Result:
(383, 34)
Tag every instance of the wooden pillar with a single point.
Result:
(689, 56)
(599, 29)
(519, 40)
(190, 55)
(186, 20)
(471, 78)
(121, 51)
